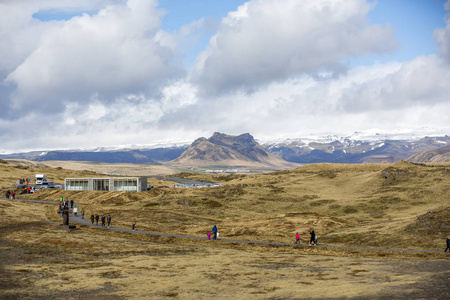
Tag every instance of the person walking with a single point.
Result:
(108, 219)
(75, 211)
(214, 231)
(71, 203)
(92, 219)
(297, 238)
(82, 212)
(103, 220)
(448, 245)
(313, 238)
(96, 219)
(133, 224)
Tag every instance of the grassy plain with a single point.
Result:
(394, 206)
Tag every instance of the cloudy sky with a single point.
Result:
(89, 73)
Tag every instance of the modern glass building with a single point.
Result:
(129, 184)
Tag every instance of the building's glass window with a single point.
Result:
(76, 184)
(101, 184)
(126, 184)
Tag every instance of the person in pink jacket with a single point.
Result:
(297, 238)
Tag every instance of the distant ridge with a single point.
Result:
(360, 147)
(143, 156)
(232, 151)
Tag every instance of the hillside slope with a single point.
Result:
(441, 154)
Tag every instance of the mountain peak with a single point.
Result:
(223, 149)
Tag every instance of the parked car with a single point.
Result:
(47, 185)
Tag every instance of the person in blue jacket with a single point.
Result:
(214, 230)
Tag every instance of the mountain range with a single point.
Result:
(243, 150)
(333, 149)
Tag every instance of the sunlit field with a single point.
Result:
(401, 206)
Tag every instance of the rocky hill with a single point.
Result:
(230, 151)
(441, 154)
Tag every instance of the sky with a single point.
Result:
(80, 74)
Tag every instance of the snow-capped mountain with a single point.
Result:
(373, 146)
(359, 147)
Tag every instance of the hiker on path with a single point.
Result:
(71, 203)
(96, 219)
(214, 230)
(297, 238)
(313, 238)
(108, 219)
(7, 194)
(92, 219)
(82, 212)
(133, 223)
(448, 245)
(103, 220)
(75, 211)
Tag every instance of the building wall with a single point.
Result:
(136, 184)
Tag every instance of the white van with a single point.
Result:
(40, 178)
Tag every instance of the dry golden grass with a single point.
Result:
(44, 261)
(397, 206)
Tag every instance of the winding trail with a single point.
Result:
(86, 222)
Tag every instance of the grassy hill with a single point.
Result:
(373, 205)
(397, 206)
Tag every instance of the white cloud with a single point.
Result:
(442, 36)
(271, 40)
(118, 51)
(114, 77)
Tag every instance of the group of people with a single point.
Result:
(10, 194)
(213, 232)
(64, 203)
(31, 190)
(312, 240)
(105, 221)
(24, 181)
